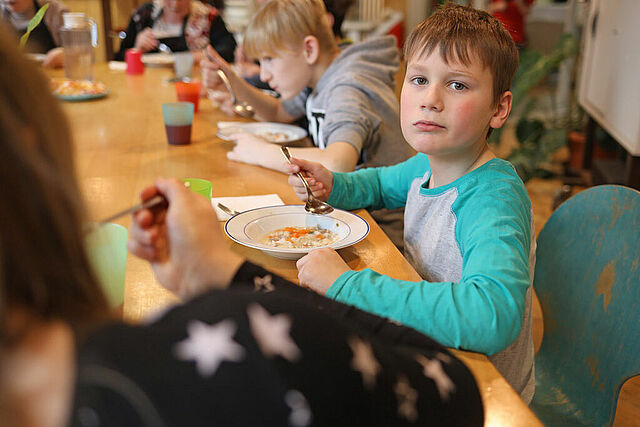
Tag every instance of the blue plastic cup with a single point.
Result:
(178, 117)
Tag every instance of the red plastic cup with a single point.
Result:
(133, 58)
(189, 92)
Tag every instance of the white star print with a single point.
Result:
(364, 361)
(209, 345)
(407, 398)
(433, 369)
(263, 282)
(300, 413)
(272, 333)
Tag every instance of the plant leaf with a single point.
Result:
(535, 67)
(35, 21)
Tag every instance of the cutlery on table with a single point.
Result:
(241, 108)
(228, 210)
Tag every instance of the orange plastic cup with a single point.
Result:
(189, 92)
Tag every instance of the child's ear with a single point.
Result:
(311, 49)
(502, 110)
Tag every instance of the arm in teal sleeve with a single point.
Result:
(483, 312)
(377, 188)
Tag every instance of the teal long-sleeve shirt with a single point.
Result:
(471, 242)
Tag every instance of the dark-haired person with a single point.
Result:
(183, 25)
(45, 38)
(228, 356)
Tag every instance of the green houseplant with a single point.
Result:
(537, 140)
(33, 23)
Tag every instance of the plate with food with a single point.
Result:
(78, 90)
(290, 232)
(158, 59)
(278, 133)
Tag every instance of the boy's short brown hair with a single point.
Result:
(463, 33)
(281, 25)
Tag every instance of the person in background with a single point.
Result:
(228, 355)
(183, 25)
(468, 220)
(347, 95)
(512, 14)
(45, 38)
(250, 69)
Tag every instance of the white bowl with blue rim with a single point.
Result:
(248, 228)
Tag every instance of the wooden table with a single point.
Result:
(121, 147)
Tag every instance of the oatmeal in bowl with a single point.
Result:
(290, 232)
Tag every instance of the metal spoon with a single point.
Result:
(227, 210)
(313, 205)
(147, 204)
(165, 49)
(240, 108)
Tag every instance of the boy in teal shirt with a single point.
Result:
(468, 222)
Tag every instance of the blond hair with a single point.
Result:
(463, 34)
(281, 26)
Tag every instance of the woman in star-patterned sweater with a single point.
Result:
(245, 349)
(252, 349)
(276, 355)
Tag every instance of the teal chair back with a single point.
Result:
(587, 278)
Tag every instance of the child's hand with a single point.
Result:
(320, 268)
(320, 179)
(249, 148)
(222, 100)
(213, 60)
(210, 64)
(245, 65)
(240, 55)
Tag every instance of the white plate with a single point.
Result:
(157, 59)
(247, 228)
(278, 133)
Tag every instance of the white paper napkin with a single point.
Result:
(117, 65)
(222, 125)
(244, 203)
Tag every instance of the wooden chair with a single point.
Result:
(587, 278)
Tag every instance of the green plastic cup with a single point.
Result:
(200, 186)
(107, 253)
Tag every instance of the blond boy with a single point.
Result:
(347, 95)
(468, 223)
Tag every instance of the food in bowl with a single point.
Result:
(66, 87)
(299, 237)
